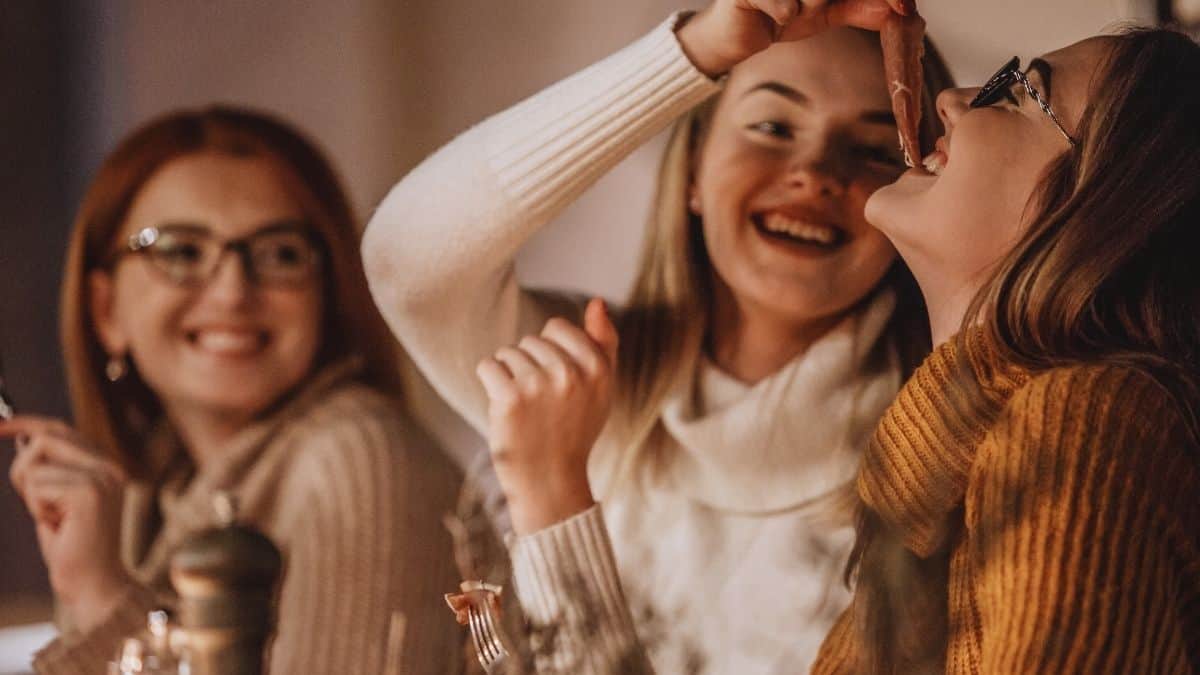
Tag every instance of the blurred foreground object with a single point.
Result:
(226, 580)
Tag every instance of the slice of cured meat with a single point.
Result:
(903, 43)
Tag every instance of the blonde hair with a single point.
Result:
(117, 415)
(664, 324)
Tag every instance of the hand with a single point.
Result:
(75, 496)
(549, 398)
(728, 32)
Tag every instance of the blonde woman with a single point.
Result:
(219, 336)
(768, 329)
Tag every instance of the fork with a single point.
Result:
(480, 597)
(489, 646)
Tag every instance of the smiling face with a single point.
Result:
(954, 225)
(230, 347)
(801, 137)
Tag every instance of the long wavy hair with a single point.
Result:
(665, 323)
(1104, 274)
(116, 415)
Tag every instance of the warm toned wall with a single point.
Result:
(379, 83)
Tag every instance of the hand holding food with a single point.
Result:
(903, 40)
(728, 32)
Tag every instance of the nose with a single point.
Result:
(953, 104)
(231, 284)
(815, 176)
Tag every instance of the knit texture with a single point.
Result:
(352, 494)
(1067, 501)
(735, 512)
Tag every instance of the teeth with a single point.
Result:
(934, 163)
(228, 342)
(781, 224)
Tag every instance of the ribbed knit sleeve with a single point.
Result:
(566, 578)
(439, 252)
(1083, 527)
(89, 653)
(366, 562)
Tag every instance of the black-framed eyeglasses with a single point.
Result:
(1003, 80)
(283, 254)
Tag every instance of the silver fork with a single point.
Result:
(487, 637)
(488, 645)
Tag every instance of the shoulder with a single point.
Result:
(1116, 403)
(1090, 433)
(356, 436)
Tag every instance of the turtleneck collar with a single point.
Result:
(915, 468)
(791, 438)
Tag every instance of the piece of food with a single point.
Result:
(903, 40)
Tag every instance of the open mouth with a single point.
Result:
(781, 227)
(225, 342)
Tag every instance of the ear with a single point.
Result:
(101, 306)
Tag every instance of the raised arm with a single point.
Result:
(440, 250)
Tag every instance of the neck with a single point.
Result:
(751, 342)
(205, 433)
(947, 301)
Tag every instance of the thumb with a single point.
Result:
(600, 328)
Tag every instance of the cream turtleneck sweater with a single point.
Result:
(737, 512)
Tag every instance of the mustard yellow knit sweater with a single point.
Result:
(1069, 503)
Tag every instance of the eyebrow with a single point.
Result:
(886, 117)
(1044, 71)
(278, 225)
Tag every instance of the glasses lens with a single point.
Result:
(997, 84)
(183, 255)
(283, 257)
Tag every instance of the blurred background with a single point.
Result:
(379, 84)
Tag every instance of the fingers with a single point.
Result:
(600, 328)
(496, 379)
(56, 444)
(553, 359)
(780, 11)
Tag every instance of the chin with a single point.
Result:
(891, 206)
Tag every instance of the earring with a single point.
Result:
(693, 202)
(116, 368)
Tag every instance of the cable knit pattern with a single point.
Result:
(1079, 546)
(353, 494)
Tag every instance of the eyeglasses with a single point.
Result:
(999, 84)
(189, 255)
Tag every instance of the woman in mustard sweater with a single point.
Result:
(1029, 500)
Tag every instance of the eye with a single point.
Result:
(877, 154)
(283, 251)
(774, 128)
(178, 250)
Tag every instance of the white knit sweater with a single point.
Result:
(723, 556)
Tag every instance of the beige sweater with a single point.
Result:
(733, 515)
(353, 494)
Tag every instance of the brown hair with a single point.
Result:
(116, 415)
(1103, 275)
(665, 322)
